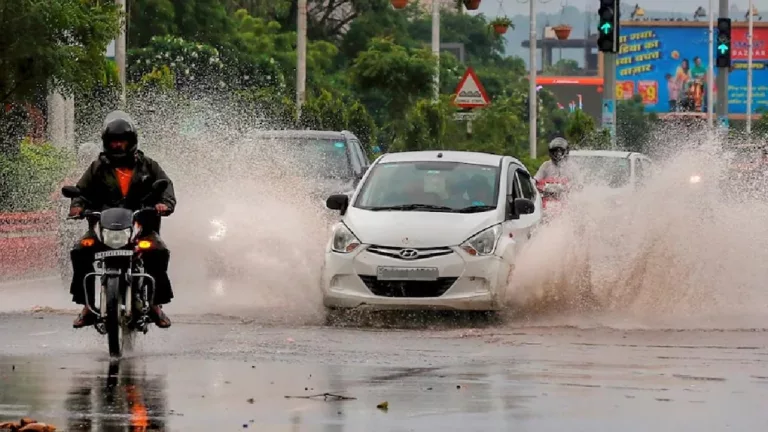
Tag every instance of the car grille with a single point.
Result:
(422, 252)
(408, 288)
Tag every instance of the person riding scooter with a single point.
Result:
(122, 176)
(558, 166)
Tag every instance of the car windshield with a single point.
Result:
(430, 186)
(613, 172)
(317, 157)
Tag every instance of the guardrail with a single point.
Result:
(28, 243)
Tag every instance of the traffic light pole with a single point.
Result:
(722, 79)
(609, 95)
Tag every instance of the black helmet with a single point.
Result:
(558, 149)
(119, 126)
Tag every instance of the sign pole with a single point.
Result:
(609, 95)
(749, 73)
(532, 96)
(711, 68)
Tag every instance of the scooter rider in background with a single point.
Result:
(558, 166)
(122, 176)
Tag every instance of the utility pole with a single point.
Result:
(301, 56)
(749, 73)
(711, 68)
(532, 96)
(120, 50)
(722, 76)
(435, 46)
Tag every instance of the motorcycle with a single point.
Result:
(553, 191)
(125, 299)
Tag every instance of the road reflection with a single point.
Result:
(126, 399)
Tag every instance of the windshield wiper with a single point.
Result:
(412, 207)
(475, 209)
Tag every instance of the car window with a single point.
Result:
(526, 186)
(613, 172)
(512, 189)
(357, 150)
(313, 157)
(446, 186)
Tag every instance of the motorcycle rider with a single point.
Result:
(558, 166)
(122, 176)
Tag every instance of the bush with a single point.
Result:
(29, 178)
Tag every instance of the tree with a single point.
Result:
(53, 45)
(633, 125)
(399, 75)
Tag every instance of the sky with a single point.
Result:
(514, 7)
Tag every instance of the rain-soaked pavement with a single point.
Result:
(213, 373)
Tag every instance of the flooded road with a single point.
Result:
(217, 373)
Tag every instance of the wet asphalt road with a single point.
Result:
(213, 373)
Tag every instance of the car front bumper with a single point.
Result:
(464, 283)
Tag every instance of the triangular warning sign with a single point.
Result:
(470, 93)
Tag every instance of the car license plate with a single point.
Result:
(114, 253)
(407, 273)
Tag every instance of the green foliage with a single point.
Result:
(57, 44)
(563, 67)
(579, 126)
(29, 178)
(633, 125)
(502, 21)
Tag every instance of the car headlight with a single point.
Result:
(343, 239)
(694, 179)
(219, 230)
(484, 242)
(115, 239)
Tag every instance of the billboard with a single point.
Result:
(667, 66)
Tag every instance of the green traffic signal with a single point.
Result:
(606, 28)
(722, 48)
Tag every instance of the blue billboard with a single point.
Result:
(667, 65)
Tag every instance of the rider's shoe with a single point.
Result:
(84, 319)
(159, 317)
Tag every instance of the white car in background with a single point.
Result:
(430, 230)
(620, 171)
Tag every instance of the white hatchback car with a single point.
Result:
(430, 230)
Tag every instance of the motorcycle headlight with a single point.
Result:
(219, 230)
(694, 179)
(484, 242)
(343, 239)
(115, 239)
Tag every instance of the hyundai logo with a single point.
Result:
(409, 254)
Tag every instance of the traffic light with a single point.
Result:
(608, 26)
(723, 47)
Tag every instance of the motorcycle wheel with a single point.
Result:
(114, 317)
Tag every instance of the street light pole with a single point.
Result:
(749, 73)
(711, 68)
(120, 50)
(301, 56)
(532, 96)
(436, 47)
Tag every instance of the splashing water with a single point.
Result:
(246, 239)
(676, 253)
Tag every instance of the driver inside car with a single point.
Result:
(122, 176)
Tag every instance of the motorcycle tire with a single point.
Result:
(114, 319)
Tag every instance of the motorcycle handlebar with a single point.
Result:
(89, 214)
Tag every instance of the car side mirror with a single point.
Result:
(70, 192)
(338, 202)
(519, 206)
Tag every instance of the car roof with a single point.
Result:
(292, 133)
(601, 153)
(476, 158)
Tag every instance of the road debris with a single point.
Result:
(325, 396)
(27, 425)
(384, 406)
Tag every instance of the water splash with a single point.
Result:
(675, 253)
